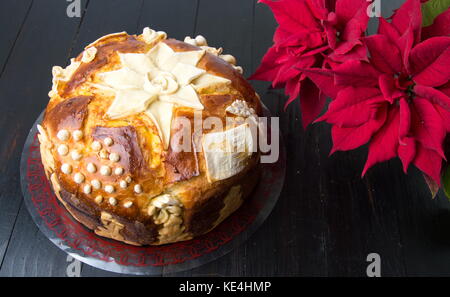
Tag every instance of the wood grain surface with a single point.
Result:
(327, 219)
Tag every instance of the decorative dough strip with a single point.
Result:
(166, 210)
(46, 155)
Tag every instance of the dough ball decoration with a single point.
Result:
(109, 145)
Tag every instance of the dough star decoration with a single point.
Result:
(156, 81)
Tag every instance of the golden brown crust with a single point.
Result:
(184, 164)
(126, 144)
(138, 167)
(106, 49)
(68, 114)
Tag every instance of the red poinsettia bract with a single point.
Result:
(399, 100)
(311, 33)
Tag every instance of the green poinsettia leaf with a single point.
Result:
(446, 181)
(433, 8)
(432, 185)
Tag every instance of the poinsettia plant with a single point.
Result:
(312, 33)
(390, 90)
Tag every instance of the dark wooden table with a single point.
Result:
(327, 219)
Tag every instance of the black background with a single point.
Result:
(327, 219)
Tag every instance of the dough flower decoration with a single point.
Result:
(156, 81)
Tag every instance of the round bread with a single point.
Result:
(115, 124)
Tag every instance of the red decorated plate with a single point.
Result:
(83, 244)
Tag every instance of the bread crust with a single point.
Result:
(77, 105)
